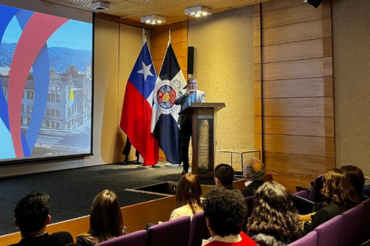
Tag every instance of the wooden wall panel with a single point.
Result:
(311, 87)
(299, 126)
(258, 123)
(315, 106)
(313, 165)
(291, 180)
(290, 15)
(293, 51)
(299, 145)
(297, 32)
(279, 4)
(293, 67)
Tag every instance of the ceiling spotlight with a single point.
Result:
(100, 6)
(153, 19)
(198, 11)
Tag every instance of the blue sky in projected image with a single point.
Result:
(73, 34)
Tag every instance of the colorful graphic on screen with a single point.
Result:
(46, 81)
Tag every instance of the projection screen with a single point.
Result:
(46, 62)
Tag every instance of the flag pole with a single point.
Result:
(144, 37)
(169, 37)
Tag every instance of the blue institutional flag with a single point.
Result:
(165, 113)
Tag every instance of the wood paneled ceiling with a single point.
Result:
(173, 10)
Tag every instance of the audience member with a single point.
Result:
(366, 189)
(253, 173)
(105, 220)
(357, 178)
(225, 213)
(31, 216)
(188, 196)
(274, 220)
(339, 196)
(224, 176)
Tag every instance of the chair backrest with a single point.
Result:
(327, 233)
(249, 201)
(309, 240)
(315, 194)
(305, 206)
(302, 193)
(352, 225)
(365, 232)
(169, 233)
(198, 230)
(137, 238)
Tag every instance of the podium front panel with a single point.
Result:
(205, 141)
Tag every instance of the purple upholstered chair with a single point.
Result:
(313, 194)
(328, 233)
(169, 233)
(352, 225)
(137, 238)
(365, 231)
(198, 230)
(309, 240)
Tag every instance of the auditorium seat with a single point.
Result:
(305, 206)
(309, 240)
(313, 193)
(137, 238)
(365, 235)
(198, 230)
(249, 201)
(169, 233)
(351, 228)
(328, 233)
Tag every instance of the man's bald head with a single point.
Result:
(254, 169)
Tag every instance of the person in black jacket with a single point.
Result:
(31, 216)
(253, 173)
(339, 196)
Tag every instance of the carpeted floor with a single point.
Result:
(72, 191)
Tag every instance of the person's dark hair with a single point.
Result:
(274, 214)
(254, 169)
(105, 218)
(357, 178)
(337, 187)
(191, 79)
(225, 174)
(225, 210)
(31, 211)
(189, 191)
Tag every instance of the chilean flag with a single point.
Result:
(165, 112)
(137, 108)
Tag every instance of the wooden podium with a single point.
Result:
(203, 118)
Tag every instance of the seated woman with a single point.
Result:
(339, 196)
(357, 178)
(188, 197)
(105, 220)
(274, 220)
(225, 212)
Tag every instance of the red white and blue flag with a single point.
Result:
(137, 108)
(165, 112)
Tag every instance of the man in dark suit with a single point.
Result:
(31, 216)
(253, 173)
(185, 99)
